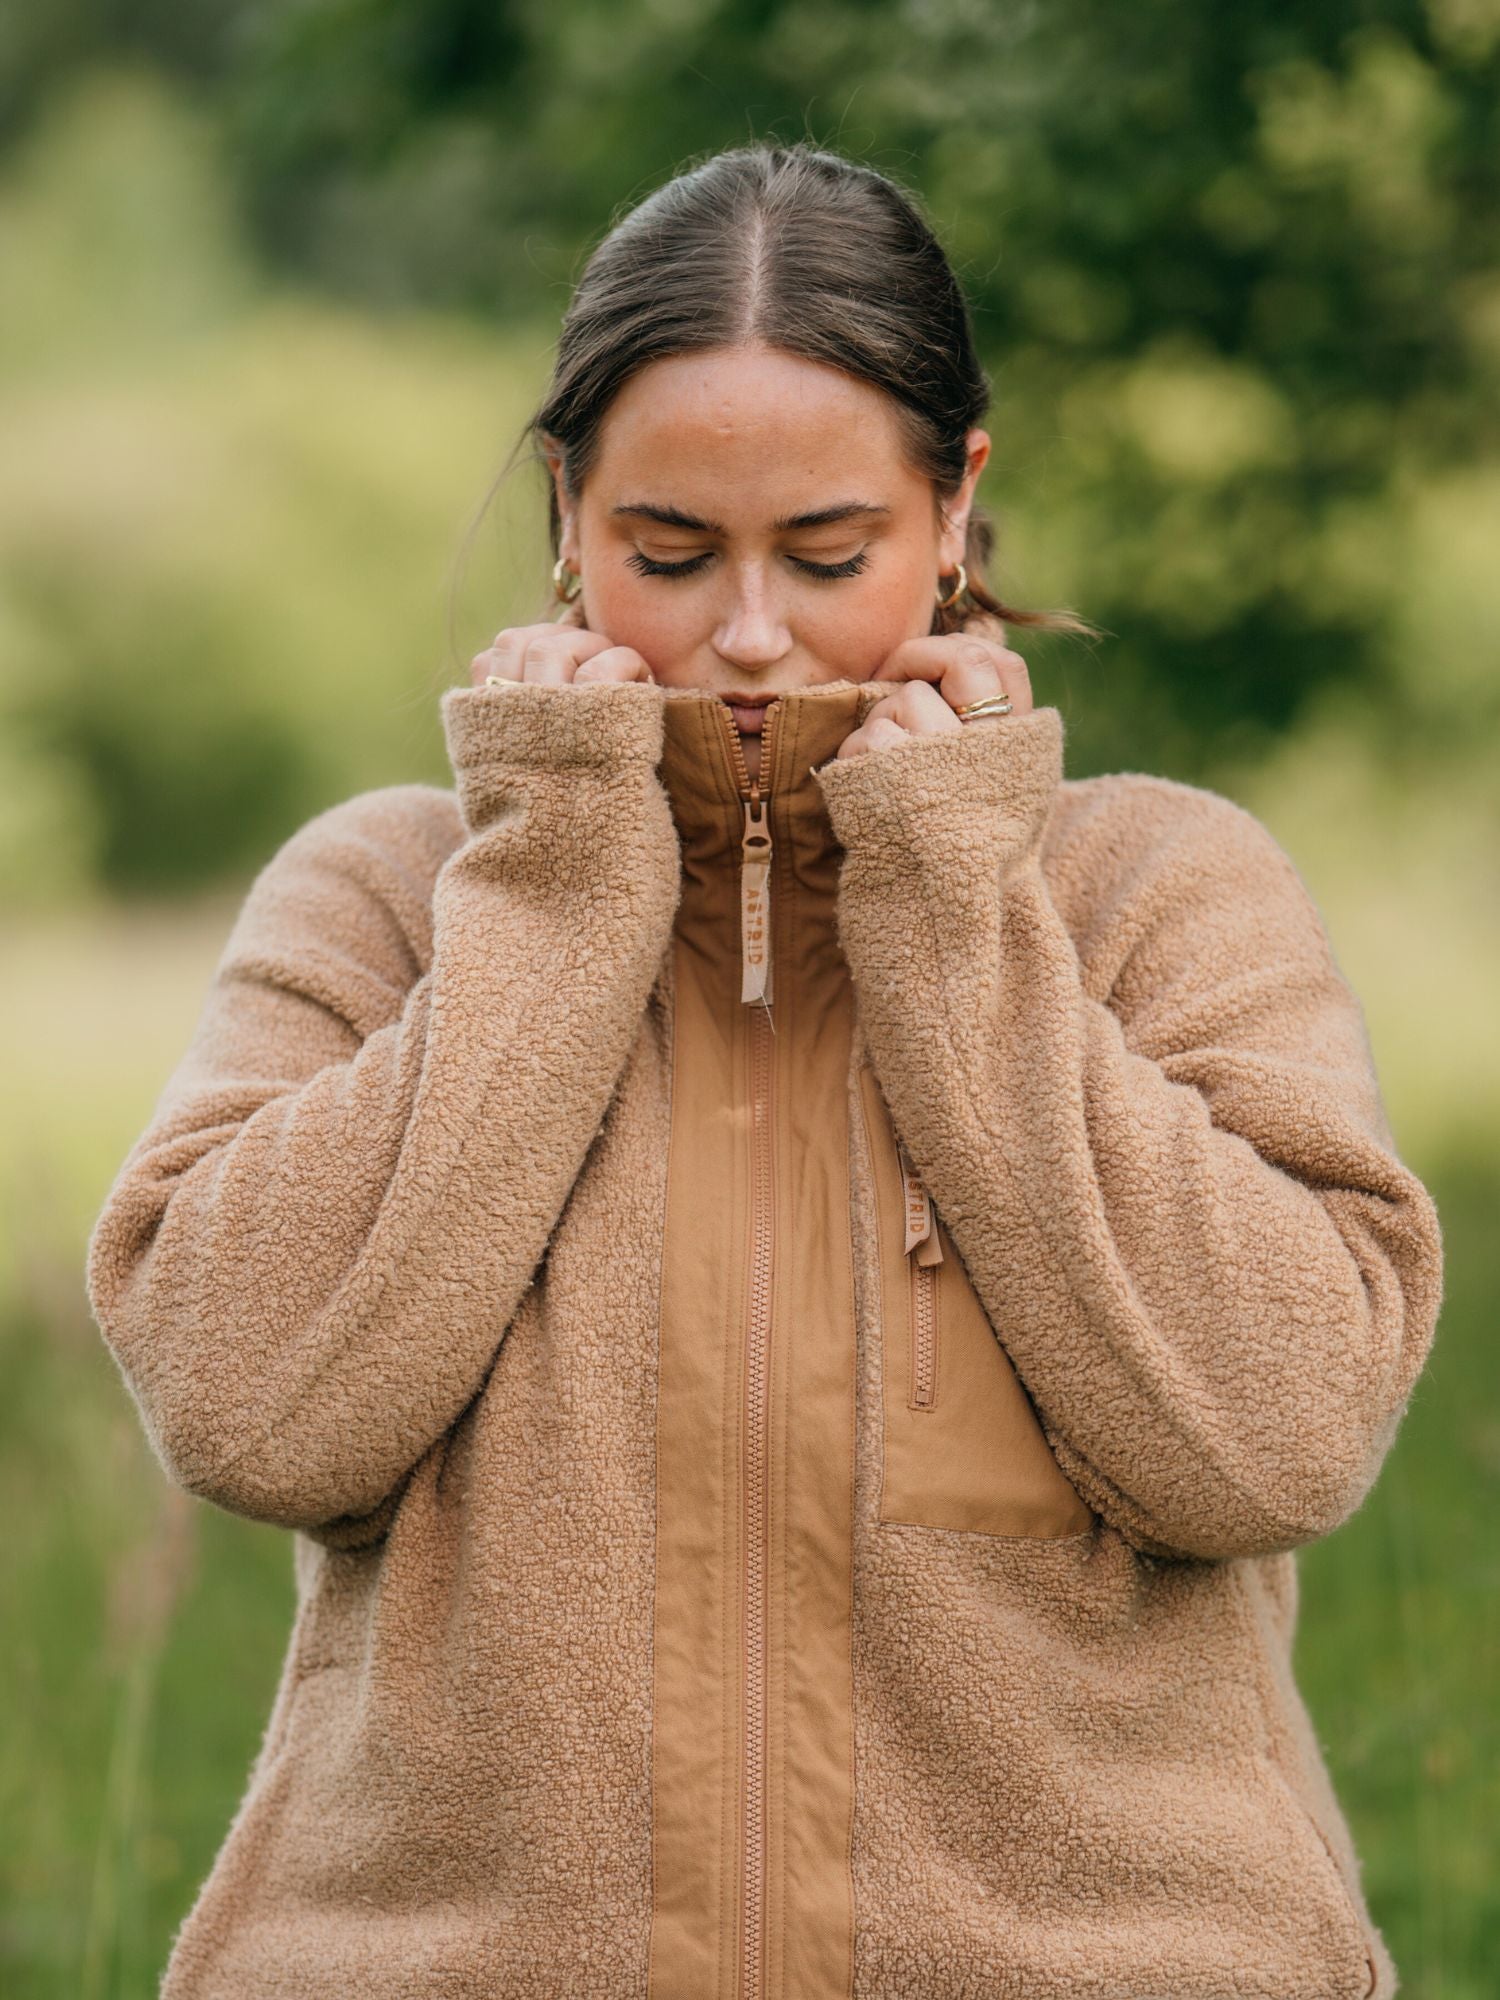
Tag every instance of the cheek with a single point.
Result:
(852, 628)
(659, 621)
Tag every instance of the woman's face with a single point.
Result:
(751, 525)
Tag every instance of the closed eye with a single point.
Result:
(647, 567)
(850, 568)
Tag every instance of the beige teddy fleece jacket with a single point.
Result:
(798, 1334)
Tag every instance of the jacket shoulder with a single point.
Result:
(1135, 809)
(1127, 846)
(411, 828)
(345, 904)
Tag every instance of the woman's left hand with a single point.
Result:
(935, 675)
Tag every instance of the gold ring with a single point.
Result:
(987, 704)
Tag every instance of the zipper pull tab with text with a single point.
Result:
(921, 1237)
(755, 902)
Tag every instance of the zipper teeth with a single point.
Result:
(923, 1334)
(737, 751)
(757, 1398)
(757, 1417)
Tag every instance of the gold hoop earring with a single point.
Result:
(962, 584)
(559, 571)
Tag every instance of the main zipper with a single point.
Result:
(756, 854)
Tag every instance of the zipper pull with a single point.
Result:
(921, 1237)
(755, 902)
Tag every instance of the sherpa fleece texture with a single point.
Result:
(384, 1269)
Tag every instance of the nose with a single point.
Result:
(752, 632)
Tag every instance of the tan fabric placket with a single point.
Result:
(752, 1896)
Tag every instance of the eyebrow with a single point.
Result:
(819, 517)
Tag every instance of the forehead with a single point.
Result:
(751, 430)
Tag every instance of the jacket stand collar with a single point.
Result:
(701, 774)
(760, 863)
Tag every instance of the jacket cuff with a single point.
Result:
(1010, 767)
(553, 725)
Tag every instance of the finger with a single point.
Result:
(915, 709)
(948, 671)
(552, 654)
(935, 654)
(878, 731)
(962, 665)
(615, 663)
(501, 658)
(918, 707)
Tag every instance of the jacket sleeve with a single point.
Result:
(306, 1264)
(1168, 1169)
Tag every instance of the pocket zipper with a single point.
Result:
(924, 1255)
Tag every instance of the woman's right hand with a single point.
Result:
(562, 651)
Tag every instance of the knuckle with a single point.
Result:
(885, 729)
(617, 663)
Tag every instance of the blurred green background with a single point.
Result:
(279, 287)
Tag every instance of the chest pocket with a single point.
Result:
(962, 1444)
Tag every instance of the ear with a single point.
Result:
(955, 516)
(567, 546)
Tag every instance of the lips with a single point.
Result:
(749, 716)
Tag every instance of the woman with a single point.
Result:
(798, 1276)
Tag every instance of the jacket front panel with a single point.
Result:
(454, 1794)
(777, 1515)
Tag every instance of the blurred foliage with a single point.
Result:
(1235, 271)
(226, 517)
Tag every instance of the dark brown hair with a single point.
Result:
(795, 248)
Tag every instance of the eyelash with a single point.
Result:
(827, 571)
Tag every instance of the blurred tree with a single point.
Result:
(1235, 270)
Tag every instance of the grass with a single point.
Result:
(1399, 1642)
